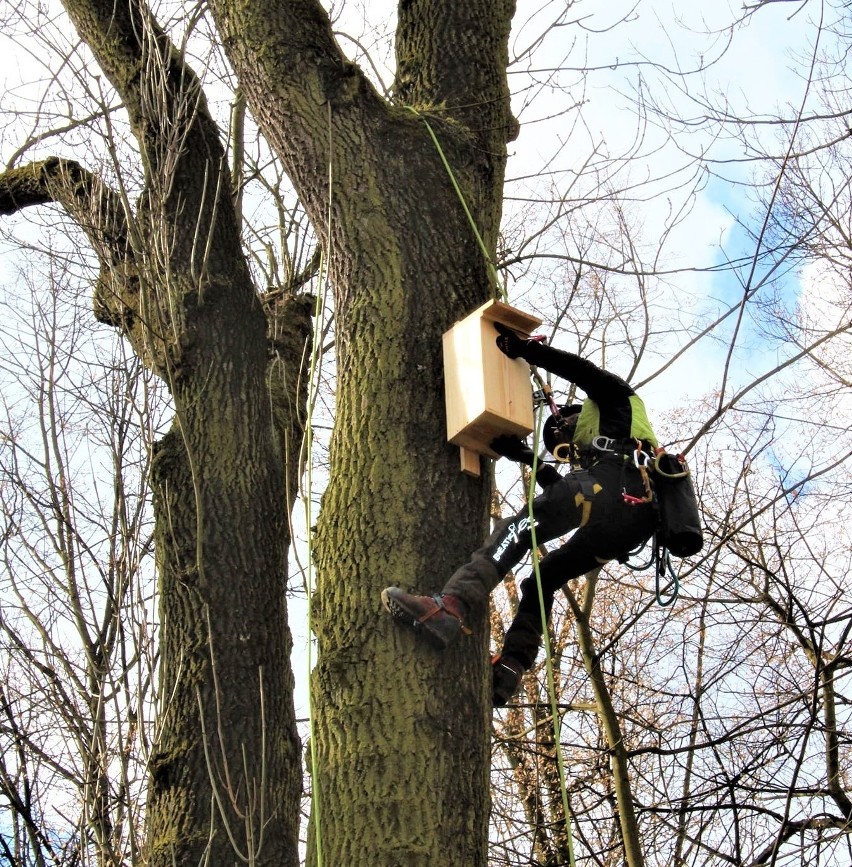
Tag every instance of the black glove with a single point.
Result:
(514, 449)
(509, 343)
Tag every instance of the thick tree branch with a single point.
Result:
(159, 90)
(447, 61)
(95, 207)
(99, 212)
(26, 186)
(300, 87)
(187, 184)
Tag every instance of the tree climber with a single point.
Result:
(606, 498)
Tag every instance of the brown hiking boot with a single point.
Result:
(440, 618)
(506, 674)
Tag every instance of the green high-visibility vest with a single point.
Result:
(589, 423)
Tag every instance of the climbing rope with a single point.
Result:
(661, 560)
(500, 291)
(497, 289)
(551, 683)
(314, 370)
(664, 564)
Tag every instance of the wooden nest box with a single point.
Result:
(487, 393)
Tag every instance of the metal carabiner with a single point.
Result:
(641, 459)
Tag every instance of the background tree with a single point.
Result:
(224, 764)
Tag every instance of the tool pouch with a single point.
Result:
(680, 523)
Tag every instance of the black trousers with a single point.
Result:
(607, 528)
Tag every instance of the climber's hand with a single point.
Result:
(514, 449)
(509, 343)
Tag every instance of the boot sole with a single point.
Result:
(401, 614)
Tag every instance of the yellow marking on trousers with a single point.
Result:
(582, 502)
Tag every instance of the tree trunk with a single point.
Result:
(402, 752)
(227, 767)
(226, 764)
(402, 729)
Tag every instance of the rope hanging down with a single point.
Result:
(501, 292)
(551, 683)
(662, 562)
(497, 290)
(307, 444)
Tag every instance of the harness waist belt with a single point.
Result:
(603, 447)
(623, 446)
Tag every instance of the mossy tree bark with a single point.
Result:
(402, 731)
(226, 770)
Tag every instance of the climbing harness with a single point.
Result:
(645, 463)
(633, 449)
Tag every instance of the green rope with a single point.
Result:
(308, 494)
(499, 291)
(551, 684)
(313, 390)
(660, 568)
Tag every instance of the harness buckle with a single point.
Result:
(603, 444)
